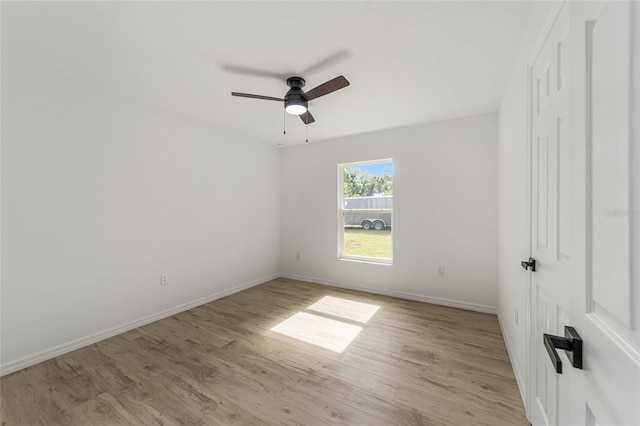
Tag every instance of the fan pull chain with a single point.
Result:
(284, 122)
(307, 129)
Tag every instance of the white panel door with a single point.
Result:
(606, 285)
(550, 216)
(585, 214)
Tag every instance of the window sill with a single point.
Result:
(369, 260)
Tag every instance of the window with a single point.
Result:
(365, 211)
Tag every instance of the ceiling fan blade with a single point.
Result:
(254, 72)
(249, 95)
(326, 88)
(307, 118)
(327, 62)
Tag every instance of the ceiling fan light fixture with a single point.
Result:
(294, 101)
(296, 107)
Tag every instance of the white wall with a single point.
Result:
(445, 212)
(100, 195)
(512, 194)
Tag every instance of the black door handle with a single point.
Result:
(531, 264)
(571, 343)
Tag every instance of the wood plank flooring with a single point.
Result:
(410, 364)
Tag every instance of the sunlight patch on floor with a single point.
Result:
(320, 331)
(344, 308)
(326, 332)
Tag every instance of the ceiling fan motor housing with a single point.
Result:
(296, 82)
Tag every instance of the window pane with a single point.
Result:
(368, 180)
(367, 243)
(367, 205)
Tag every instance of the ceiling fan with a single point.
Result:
(296, 101)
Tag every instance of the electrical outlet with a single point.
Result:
(164, 279)
(441, 271)
(297, 255)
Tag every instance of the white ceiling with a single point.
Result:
(408, 62)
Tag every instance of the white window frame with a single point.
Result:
(342, 211)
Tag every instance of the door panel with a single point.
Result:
(545, 381)
(610, 144)
(564, 188)
(541, 185)
(609, 318)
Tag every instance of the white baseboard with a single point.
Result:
(66, 347)
(516, 370)
(400, 294)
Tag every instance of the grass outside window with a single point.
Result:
(371, 243)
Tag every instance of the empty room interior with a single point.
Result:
(320, 213)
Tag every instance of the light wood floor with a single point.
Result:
(411, 364)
